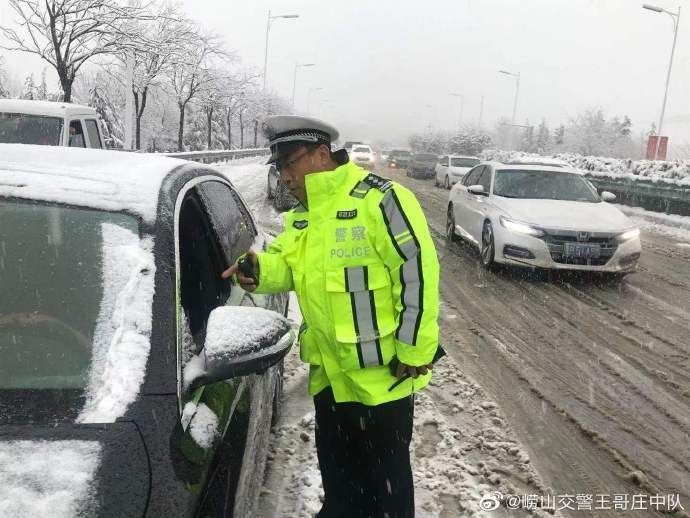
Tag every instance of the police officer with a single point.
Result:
(358, 253)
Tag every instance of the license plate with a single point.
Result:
(582, 251)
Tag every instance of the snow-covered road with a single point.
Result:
(565, 386)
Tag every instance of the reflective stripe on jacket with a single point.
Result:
(364, 268)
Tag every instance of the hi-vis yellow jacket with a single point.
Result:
(364, 268)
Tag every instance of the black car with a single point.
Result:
(399, 158)
(134, 381)
(276, 191)
(422, 165)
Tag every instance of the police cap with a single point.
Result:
(287, 132)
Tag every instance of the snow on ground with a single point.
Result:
(462, 448)
(47, 478)
(676, 227)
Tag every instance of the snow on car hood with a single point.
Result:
(575, 215)
(48, 478)
(123, 331)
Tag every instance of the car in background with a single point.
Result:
(422, 165)
(350, 143)
(399, 158)
(363, 156)
(122, 391)
(276, 191)
(450, 169)
(49, 124)
(541, 217)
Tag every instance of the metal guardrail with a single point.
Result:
(657, 196)
(221, 155)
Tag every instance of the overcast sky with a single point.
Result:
(387, 68)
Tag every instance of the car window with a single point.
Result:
(464, 162)
(20, 128)
(485, 179)
(76, 134)
(61, 266)
(472, 176)
(92, 131)
(201, 263)
(229, 217)
(361, 149)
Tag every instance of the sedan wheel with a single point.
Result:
(488, 249)
(446, 183)
(450, 225)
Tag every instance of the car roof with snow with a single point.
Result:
(502, 166)
(107, 180)
(537, 161)
(46, 108)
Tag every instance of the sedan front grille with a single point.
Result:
(557, 244)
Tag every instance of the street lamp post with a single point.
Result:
(676, 22)
(462, 106)
(515, 102)
(268, 28)
(294, 79)
(313, 89)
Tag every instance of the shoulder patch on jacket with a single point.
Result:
(378, 182)
(300, 224)
(370, 181)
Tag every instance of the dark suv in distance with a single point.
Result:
(399, 158)
(423, 165)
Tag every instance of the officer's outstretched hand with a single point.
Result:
(411, 370)
(247, 283)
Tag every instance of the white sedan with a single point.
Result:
(363, 156)
(543, 217)
(450, 169)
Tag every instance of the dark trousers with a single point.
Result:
(364, 457)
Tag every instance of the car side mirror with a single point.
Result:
(608, 196)
(476, 189)
(239, 341)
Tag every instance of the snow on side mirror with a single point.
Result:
(476, 189)
(608, 196)
(239, 341)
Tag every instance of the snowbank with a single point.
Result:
(676, 172)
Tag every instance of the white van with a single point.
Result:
(49, 123)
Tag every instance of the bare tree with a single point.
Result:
(68, 33)
(191, 72)
(154, 48)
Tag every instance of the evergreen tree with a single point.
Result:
(29, 91)
(543, 137)
(559, 135)
(42, 89)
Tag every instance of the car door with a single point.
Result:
(215, 417)
(464, 201)
(478, 203)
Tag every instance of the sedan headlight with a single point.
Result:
(629, 234)
(520, 228)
